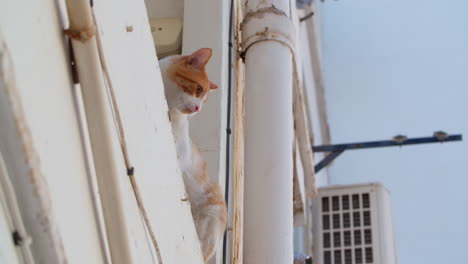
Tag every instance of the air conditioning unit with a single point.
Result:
(352, 224)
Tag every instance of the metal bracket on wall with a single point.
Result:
(399, 140)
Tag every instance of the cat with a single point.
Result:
(187, 86)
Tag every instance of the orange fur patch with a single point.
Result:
(189, 78)
(213, 191)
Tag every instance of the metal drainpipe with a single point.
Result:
(268, 35)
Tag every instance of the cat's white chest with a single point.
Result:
(183, 144)
(185, 158)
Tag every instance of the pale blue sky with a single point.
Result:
(401, 67)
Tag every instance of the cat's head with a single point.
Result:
(186, 81)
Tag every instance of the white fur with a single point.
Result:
(206, 217)
(177, 100)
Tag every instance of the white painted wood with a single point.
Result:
(41, 136)
(302, 134)
(46, 93)
(9, 253)
(309, 50)
(299, 193)
(314, 95)
(268, 220)
(120, 212)
(7, 250)
(14, 230)
(140, 96)
(236, 235)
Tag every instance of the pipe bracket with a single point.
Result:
(267, 24)
(82, 35)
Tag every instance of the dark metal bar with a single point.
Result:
(384, 143)
(228, 122)
(304, 18)
(329, 158)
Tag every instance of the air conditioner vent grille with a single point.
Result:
(325, 204)
(348, 256)
(336, 221)
(336, 203)
(337, 257)
(345, 202)
(355, 201)
(369, 258)
(347, 229)
(326, 222)
(326, 240)
(358, 255)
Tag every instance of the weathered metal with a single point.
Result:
(267, 38)
(337, 149)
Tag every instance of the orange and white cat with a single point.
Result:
(187, 86)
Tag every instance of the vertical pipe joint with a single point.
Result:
(267, 24)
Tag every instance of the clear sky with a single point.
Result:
(401, 67)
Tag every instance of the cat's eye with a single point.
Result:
(199, 89)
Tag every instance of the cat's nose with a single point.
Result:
(197, 109)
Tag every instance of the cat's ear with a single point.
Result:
(200, 58)
(213, 86)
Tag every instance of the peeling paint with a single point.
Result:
(39, 187)
(260, 13)
(263, 33)
(83, 35)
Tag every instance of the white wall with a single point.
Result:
(165, 8)
(400, 67)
